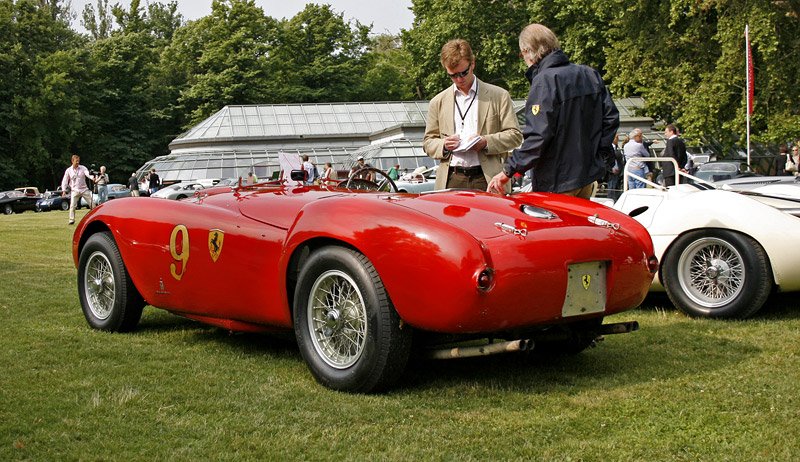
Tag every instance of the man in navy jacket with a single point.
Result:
(570, 121)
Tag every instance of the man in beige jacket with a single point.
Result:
(471, 126)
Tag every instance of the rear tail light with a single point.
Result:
(485, 279)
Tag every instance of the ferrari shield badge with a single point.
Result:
(586, 279)
(215, 239)
(535, 109)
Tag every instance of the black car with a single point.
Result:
(17, 201)
(52, 200)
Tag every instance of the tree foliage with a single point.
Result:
(687, 59)
(491, 27)
(319, 56)
(140, 75)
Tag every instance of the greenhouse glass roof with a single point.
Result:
(291, 120)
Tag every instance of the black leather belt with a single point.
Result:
(468, 171)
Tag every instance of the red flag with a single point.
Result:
(750, 86)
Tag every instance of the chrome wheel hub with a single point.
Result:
(337, 319)
(711, 272)
(99, 285)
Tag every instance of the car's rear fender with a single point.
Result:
(412, 252)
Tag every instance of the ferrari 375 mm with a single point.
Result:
(359, 271)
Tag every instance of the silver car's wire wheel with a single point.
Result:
(711, 272)
(99, 285)
(337, 319)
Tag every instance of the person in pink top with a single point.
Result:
(74, 181)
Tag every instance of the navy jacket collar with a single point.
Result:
(554, 59)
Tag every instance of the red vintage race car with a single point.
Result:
(359, 271)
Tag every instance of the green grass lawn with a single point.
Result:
(678, 389)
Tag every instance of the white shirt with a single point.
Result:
(75, 179)
(467, 127)
(309, 167)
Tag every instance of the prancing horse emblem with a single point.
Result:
(215, 239)
(587, 281)
(535, 109)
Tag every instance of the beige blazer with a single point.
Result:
(497, 122)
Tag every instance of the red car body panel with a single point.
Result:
(427, 249)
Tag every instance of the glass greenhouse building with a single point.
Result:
(238, 139)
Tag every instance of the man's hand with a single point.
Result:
(480, 145)
(452, 142)
(498, 183)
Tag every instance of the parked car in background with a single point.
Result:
(754, 182)
(207, 182)
(422, 179)
(115, 191)
(228, 182)
(52, 200)
(723, 170)
(178, 191)
(19, 200)
(722, 252)
(29, 191)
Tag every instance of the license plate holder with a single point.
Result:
(586, 289)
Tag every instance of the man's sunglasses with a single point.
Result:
(463, 73)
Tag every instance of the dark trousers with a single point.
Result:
(471, 178)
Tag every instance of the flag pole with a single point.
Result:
(750, 88)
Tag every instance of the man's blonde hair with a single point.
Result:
(455, 51)
(538, 40)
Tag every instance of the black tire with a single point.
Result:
(109, 300)
(180, 197)
(8, 210)
(717, 274)
(64, 205)
(350, 300)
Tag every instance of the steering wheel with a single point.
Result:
(357, 182)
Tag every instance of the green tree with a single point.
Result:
(388, 76)
(319, 57)
(231, 67)
(118, 130)
(98, 21)
(492, 29)
(687, 59)
(38, 108)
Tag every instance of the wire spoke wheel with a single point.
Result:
(99, 285)
(337, 319)
(717, 273)
(347, 329)
(109, 300)
(711, 272)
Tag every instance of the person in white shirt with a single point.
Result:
(635, 148)
(74, 181)
(471, 125)
(309, 167)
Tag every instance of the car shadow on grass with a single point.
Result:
(655, 353)
(680, 347)
(157, 321)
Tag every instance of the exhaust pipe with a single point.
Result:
(481, 350)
